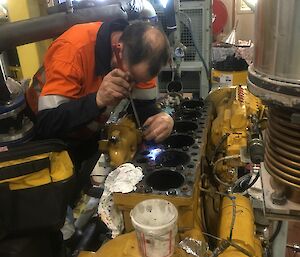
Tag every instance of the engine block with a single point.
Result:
(172, 169)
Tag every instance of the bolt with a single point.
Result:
(172, 192)
(148, 190)
(179, 167)
(278, 198)
(184, 189)
(185, 148)
(113, 139)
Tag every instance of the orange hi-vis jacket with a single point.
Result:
(63, 92)
(69, 72)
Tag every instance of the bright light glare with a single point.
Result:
(164, 3)
(3, 1)
(153, 153)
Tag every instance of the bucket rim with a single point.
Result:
(155, 228)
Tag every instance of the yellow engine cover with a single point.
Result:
(123, 140)
(243, 229)
(233, 109)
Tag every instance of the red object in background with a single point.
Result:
(220, 16)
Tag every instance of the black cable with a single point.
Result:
(253, 182)
(217, 148)
(276, 232)
(189, 27)
(234, 188)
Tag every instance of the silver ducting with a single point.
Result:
(275, 73)
(277, 51)
(275, 78)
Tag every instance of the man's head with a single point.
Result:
(144, 51)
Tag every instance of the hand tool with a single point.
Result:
(117, 49)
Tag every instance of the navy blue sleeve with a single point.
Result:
(145, 109)
(67, 117)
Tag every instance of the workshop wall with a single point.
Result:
(245, 18)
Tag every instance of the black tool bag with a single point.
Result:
(36, 181)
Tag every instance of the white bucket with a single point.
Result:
(155, 223)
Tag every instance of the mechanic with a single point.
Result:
(80, 80)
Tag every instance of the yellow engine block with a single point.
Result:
(230, 117)
(123, 140)
(234, 107)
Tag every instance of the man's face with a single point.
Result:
(138, 72)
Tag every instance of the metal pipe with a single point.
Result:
(141, 9)
(4, 93)
(277, 37)
(70, 8)
(148, 11)
(135, 9)
(40, 28)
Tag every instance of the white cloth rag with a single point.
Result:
(123, 179)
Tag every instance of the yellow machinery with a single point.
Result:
(242, 233)
(219, 132)
(229, 78)
(123, 140)
(232, 109)
(236, 109)
(234, 106)
(243, 240)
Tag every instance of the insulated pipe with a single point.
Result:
(40, 28)
(135, 9)
(243, 227)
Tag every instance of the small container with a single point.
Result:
(155, 223)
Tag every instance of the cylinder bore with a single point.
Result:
(174, 86)
(179, 141)
(187, 114)
(185, 126)
(192, 104)
(164, 180)
(172, 158)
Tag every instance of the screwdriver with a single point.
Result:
(116, 49)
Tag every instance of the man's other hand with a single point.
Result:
(159, 127)
(113, 89)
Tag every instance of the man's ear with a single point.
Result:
(121, 47)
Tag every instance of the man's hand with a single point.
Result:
(113, 88)
(159, 127)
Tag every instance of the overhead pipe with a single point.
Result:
(135, 9)
(40, 28)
